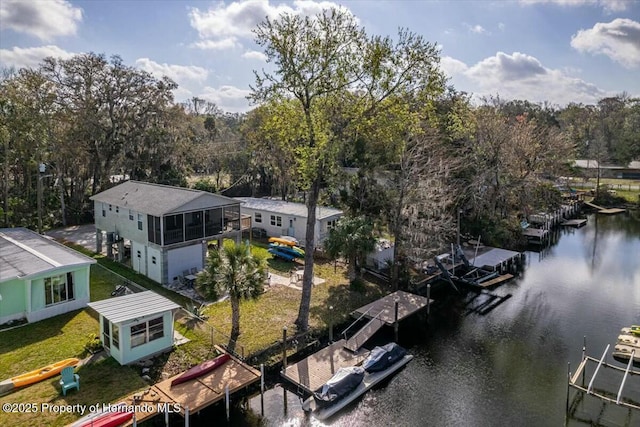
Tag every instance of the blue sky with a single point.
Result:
(558, 51)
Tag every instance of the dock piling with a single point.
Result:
(395, 322)
(428, 300)
(262, 389)
(226, 400)
(186, 416)
(284, 348)
(566, 410)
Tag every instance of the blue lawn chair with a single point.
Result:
(69, 380)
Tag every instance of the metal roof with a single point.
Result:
(286, 208)
(158, 199)
(26, 253)
(132, 306)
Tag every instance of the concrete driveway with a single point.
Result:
(83, 235)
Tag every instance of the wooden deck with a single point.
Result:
(311, 373)
(384, 308)
(574, 222)
(495, 281)
(611, 211)
(196, 394)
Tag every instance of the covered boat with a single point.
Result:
(342, 383)
(381, 358)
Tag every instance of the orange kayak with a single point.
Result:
(37, 375)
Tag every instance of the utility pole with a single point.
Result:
(41, 169)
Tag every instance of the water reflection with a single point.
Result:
(509, 367)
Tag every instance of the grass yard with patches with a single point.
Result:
(105, 381)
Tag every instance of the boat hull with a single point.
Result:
(107, 419)
(201, 369)
(370, 380)
(37, 375)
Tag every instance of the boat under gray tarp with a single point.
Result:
(342, 383)
(381, 358)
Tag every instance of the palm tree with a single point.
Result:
(235, 271)
(353, 239)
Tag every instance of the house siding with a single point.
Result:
(38, 309)
(185, 258)
(25, 298)
(13, 304)
(129, 355)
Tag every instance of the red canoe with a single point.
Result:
(201, 369)
(109, 419)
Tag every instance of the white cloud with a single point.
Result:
(521, 76)
(501, 26)
(43, 19)
(452, 66)
(223, 23)
(32, 56)
(254, 54)
(180, 74)
(608, 6)
(226, 43)
(477, 29)
(618, 39)
(229, 98)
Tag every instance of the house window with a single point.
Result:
(115, 336)
(109, 208)
(106, 337)
(104, 213)
(153, 260)
(58, 289)
(145, 332)
(139, 221)
(117, 209)
(258, 217)
(130, 215)
(276, 220)
(331, 224)
(138, 254)
(138, 334)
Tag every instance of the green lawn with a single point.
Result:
(38, 344)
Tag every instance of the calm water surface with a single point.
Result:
(509, 367)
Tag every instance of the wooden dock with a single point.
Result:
(574, 223)
(606, 211)
(312, 372)
(384, 308)
(194, 395)
(495, 281)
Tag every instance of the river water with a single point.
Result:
(509, 367)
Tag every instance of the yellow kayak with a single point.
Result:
(37, 375)
(282, 241)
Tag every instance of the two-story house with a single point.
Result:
(168, 228)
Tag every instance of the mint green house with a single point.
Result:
(40, 278)
(136, 326)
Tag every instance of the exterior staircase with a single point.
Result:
(366, 332)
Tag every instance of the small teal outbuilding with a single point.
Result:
(136, 326)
